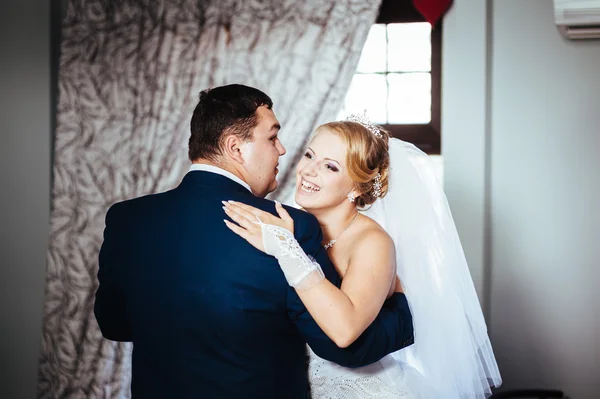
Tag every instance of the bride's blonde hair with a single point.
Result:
(367, 155)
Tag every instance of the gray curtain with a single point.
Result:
(130, 73)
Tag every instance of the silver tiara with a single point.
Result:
(363, 119)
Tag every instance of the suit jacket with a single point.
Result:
(209, 315)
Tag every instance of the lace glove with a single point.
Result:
(300, 271)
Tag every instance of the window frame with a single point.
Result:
(427, 137)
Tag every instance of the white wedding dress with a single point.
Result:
(386, 379)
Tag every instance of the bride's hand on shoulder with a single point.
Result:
(247, 220)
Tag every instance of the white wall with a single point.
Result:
(537, 242)
(464, 123)
(24, 189)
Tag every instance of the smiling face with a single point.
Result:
(322, 179)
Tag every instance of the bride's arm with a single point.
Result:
(344, 313)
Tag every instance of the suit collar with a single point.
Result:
(219, 171)
(211, 181)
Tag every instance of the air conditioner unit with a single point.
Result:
(578, 19)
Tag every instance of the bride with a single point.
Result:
(387, 227)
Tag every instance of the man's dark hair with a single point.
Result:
(222, 111)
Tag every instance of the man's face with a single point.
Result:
(261, 155)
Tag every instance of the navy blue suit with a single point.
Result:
(208, 314)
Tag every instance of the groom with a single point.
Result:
(208, 314)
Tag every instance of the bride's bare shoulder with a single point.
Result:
(371, 237)
(370, 250)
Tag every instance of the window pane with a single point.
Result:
(372, 58)
(409, 98)
(409, 47)
(367, 92)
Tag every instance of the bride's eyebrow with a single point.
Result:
(333, 160)
(327, 159)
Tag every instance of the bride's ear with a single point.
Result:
(232, 148)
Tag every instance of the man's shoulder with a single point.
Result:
(131, 204)
(299, 214)
(302, 219)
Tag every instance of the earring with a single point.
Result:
(351, 197)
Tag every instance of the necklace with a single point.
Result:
(330, 243)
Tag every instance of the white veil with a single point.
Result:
(452, 350)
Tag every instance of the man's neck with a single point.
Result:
(221, 165)
(224, 167)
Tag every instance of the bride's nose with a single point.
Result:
(310, 169)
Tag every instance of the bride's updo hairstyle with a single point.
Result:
(367, 155)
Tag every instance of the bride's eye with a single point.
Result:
(331, 167)
(308, 155)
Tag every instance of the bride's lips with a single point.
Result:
(307, 187)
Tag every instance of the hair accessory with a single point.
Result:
(364, 120)
(377, 186)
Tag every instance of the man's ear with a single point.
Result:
(232, 148)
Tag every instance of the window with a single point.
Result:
(398, 76)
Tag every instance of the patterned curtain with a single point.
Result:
(130, 75)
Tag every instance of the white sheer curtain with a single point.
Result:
(130, 74)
